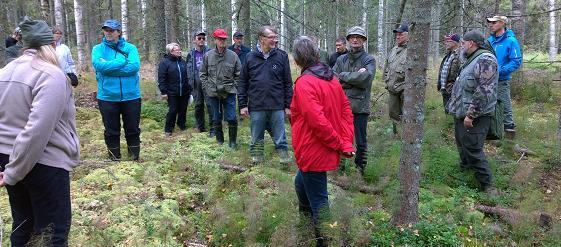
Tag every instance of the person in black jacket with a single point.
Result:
(173, 83)
(238, 47)
(340, 49)
(265, 93)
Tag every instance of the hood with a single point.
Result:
(320, 70)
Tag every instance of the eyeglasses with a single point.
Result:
(109, 30)
(201, 38)
(270, 37)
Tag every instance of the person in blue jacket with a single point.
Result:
(116, 64)
(509, 58)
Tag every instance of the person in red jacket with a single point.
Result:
(322, 130)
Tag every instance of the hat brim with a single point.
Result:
(399, 31)
(220, 37)
(238, 36)
(492, 19)
(364, 37)
(110, 28)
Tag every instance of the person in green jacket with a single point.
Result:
(394, 74)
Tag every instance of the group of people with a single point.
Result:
(328, 106)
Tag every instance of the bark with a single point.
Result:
(518, 22)
(348, 185)
(435, 31)
(552, 34)
(413, 115)
(365, 21)
(171, 21)
(282, 25)
(46, 11)
(338, 19)
(381, 42)
(234, 20)
(514, 217)
(461, 10)
(245, 25)
(203, 16)
(145, 43)
(20, 10)
(4, 28)
(303, 17)
(59, 15)
(400, 12)
(124, 19)
(110, 9)
(559, 129)
(159, 37)
(80, 36)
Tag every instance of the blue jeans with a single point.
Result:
(226, 106)
(504, 96)
(259, 120)
(311, 189)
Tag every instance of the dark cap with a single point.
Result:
(113, 24)
(238, 34)
(35, 33)
(453, 37)
(404, 27)
(199, 33)
(475, 36)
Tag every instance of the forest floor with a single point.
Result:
(182, 193)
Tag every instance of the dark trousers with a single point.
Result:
(200, 97)
(177, 111)
(360, 122)
(470, 146)
(445, 98)
(111, 113)
(311, 190)
(40, 205)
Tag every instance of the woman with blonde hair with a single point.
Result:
(174, 85)
(39, 145)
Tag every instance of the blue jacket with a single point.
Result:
(117, 75)
(192, 70)
(244, 50)
(508, 53)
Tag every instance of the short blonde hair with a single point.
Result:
(170, 47)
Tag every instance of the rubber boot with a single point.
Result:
(114, 153)
(134, 152)
(232, 137)
(219, 133)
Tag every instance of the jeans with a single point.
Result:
(200, 97)
(259, 121)
(226, 106)
(111, 113)
(360, 122)
(311, 189)
(177, 111)
(470, 146)
(40, 205)
(504, 96)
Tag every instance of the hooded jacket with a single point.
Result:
(322, 120)
(507, 51)
(37, 117)
(117, 75)
(173, 79)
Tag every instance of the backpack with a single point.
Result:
(496, 130)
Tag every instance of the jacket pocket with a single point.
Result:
(356, 99)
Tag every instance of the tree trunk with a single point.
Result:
(245, 24)
(80, 36)
(413, 115)
(338, 19)
(400, 12)
(110, 9)
(59, 16)
(171, 20)
(234, 9)
(559, 130)
(518, 21)
(4, 28)
(461, 14)
(435, 30)
(381, 42)
(124, 19)
(46, 11)
(203, 16)
(145, 43)
(303, 17)
(159, 37)
(20, 10)
(365, 21)
(282, 25)
(552, 35)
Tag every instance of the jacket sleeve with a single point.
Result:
(515, 59)
(49, 101)
(203, 73)
(132, 66)
(237, 71)
(243, 85)
(106, 67)
(313, 114)
(360, 79)
(347, 134)
(162, 77)
(287, 83)
(70, 62)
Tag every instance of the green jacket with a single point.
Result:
(357, 85)
(220, 73)
(394, 72)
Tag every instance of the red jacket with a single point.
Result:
(322, 120)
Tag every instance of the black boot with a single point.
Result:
(134, 152)
(219, 133)
(233, 136)
(114, 153)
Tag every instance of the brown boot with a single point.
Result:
(510, 134)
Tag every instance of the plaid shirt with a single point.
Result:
(450, 67)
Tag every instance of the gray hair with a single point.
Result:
(170, 47)
(305, 52)
(262, 31)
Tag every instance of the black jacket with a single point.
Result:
(192, 67)
(244, 50)
(334, 56)
(172, 77)
(265, 83)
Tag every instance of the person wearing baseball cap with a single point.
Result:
(449, 67)
(509, 56)
(194, 62)
(394, 74)
(473, 100)
(356, 71)
(220, 73)
(116, 64)
(238, 47)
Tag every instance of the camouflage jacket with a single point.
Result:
(357, 85)
(220, 73)
(475, 92)
(394, 72)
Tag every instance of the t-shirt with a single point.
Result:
(199, 59)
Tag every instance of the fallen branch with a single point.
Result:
(233, 168)
(362, 188)
(513, 217)
(523, 150)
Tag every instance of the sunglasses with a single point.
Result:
(201, 38)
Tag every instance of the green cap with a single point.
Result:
(35, 33)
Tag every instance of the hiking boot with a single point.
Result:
(284, 156)
(168, 134)
(114, 153)
(510, 134)
(219, 133)
(134, 152)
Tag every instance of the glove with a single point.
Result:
(73, 79)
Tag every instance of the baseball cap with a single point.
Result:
(498, 18)
(220, 33)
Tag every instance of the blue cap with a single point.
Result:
(404, 27)
(113, 24)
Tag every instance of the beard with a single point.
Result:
(463, 55)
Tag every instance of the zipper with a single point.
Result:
(179, 70)
(120, 81)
